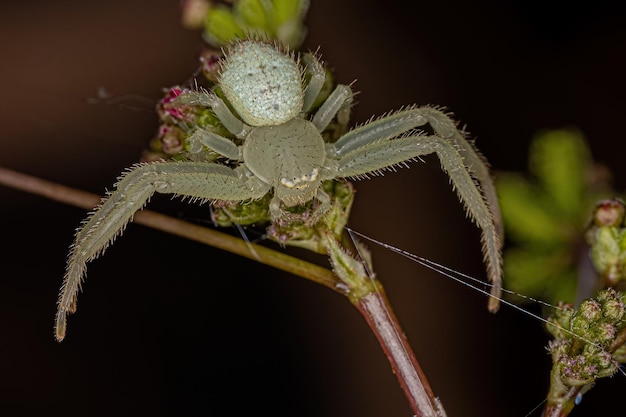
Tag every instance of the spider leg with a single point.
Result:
(215, 142)
(336, 104)
(318, 75)
(324, 205)
(445, 127)
(381, 129)
(208, 99)
(189, 179)
(402, 121)
(372, 156)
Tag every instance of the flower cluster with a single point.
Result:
(585, 338)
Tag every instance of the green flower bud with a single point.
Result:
(607, 252)
(604, 333)
(613, 310)
(560, 320)
(589, 310)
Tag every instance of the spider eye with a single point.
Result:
(300, 182)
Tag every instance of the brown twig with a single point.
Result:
(377, 311)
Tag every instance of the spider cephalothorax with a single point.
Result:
(275, 146)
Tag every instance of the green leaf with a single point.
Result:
(527, 215)
(547, 276)
(560, 160)
(253, 13)
(526, 272)
(221, 26)
(562, 287)
(285, 10)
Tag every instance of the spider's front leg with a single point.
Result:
(198, 180)
(446, 128)
(209, 99)
(336, 105)
(375, 146)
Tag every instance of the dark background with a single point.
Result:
(169, 327)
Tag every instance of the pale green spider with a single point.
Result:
(284, 152)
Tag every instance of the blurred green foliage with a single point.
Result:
(243, 19)
(546, 214)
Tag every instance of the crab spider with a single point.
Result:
(283, 153)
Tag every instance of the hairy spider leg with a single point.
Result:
(215, 142)
(196, 180)
(338, 104)
(316, 81)
(369, 149)
(445, 127)
(209, 99)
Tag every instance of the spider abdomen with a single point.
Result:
(263, 84)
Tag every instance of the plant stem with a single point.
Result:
(565, 404)
(374, 306)
(377, 311)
